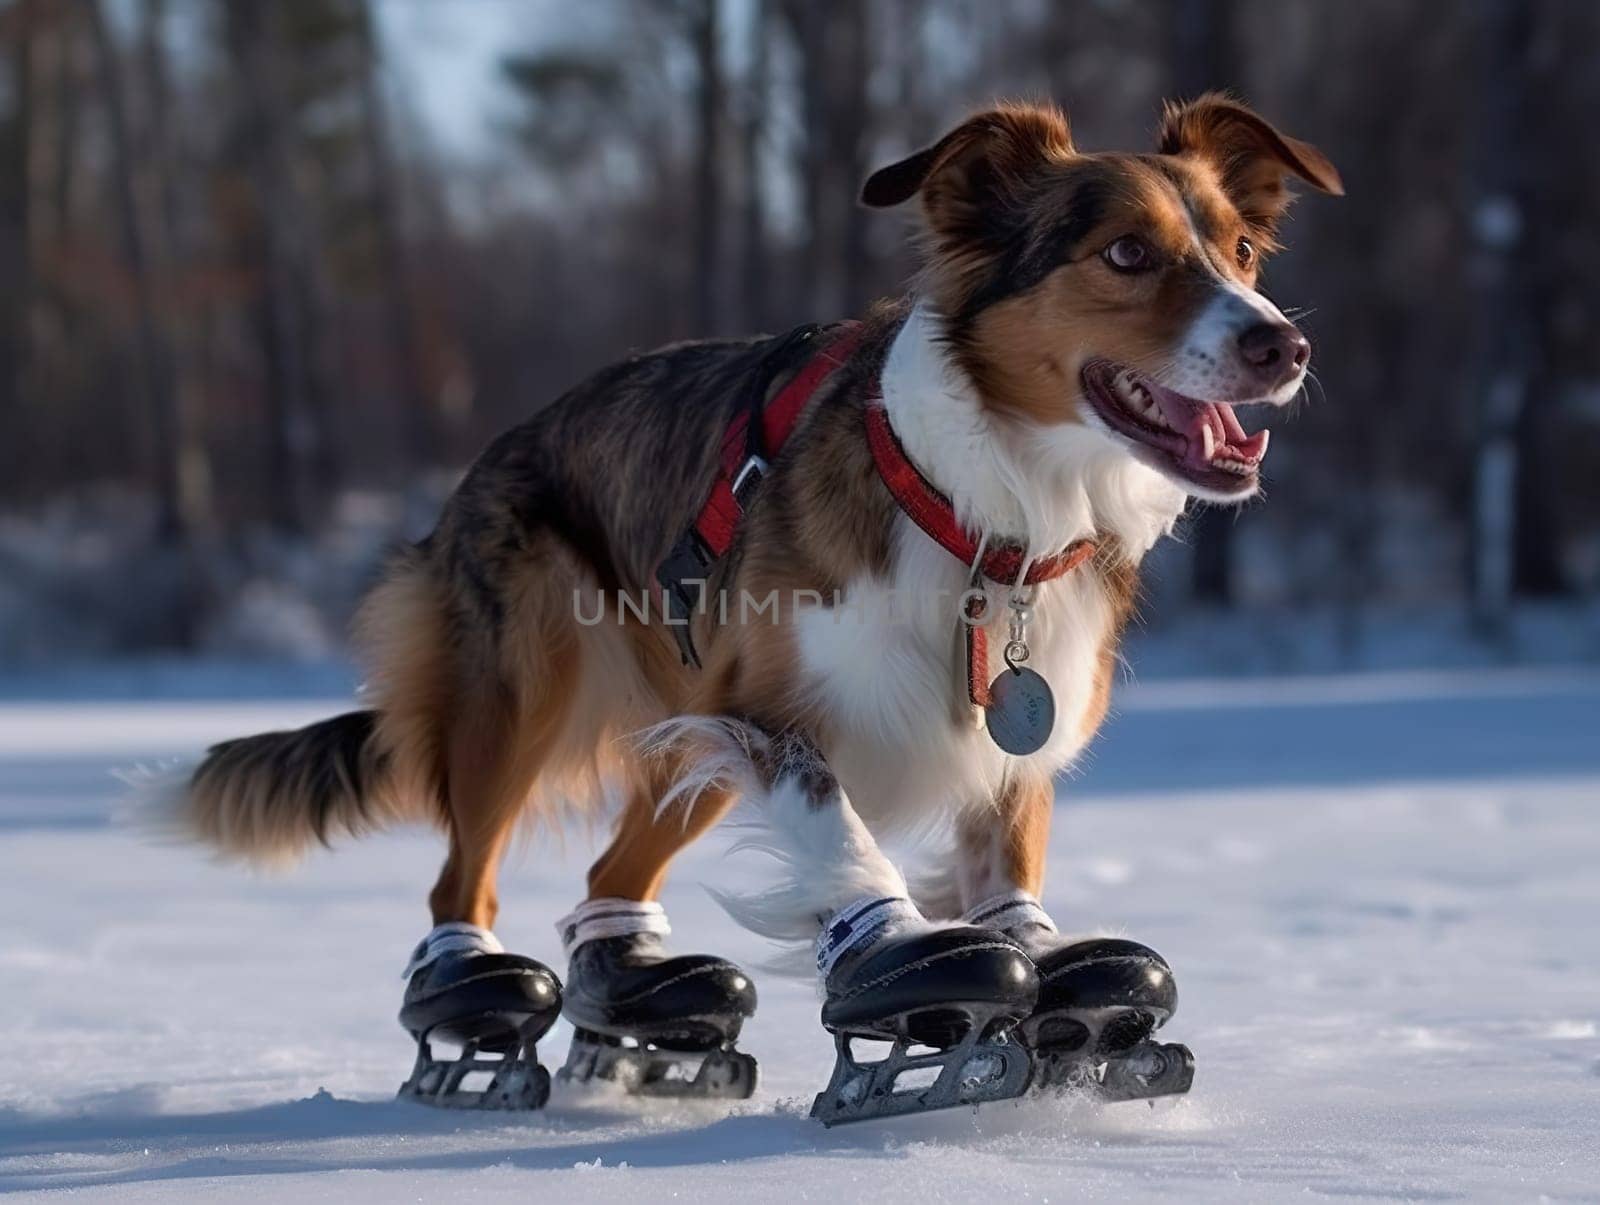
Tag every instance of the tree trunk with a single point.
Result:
(15, 213)
(806, 20)
(1201, 57)
(153, 386)
(289, 358)
(64, 154)
(191, 461)
(705, 30)
(830, 39)
(754, 268)
(405, 343)
(851, 121)
(1537, 570)
(1506, 510)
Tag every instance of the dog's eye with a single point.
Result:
(1130, 253)
(1246, 253)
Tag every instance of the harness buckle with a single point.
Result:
(689, 562)
(754, 466)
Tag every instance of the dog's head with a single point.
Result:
(1117, 290)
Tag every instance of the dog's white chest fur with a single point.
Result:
(884, 664)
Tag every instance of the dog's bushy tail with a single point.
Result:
(268, 798)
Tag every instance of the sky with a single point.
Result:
(444, 56)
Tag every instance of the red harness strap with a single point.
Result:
(743, 462)
(719, 519)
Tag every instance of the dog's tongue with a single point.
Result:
(1210, 429)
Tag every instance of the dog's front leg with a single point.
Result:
(1000, 857)
(886, 973)
(831, 864)
(1100, 998)
(941, 997)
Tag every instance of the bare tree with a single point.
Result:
(16, 209)
(830, 41)
(190, 464)
(293, 368)
(384, 200)
(1532, 47)
(1203, 36)
(1498, 211)
(154, 357)
(754, 262)
(705, 37)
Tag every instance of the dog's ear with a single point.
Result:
(1250, 153)
(986, 156)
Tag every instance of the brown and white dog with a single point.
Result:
(1065, 370)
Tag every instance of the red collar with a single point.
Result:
(932, 511)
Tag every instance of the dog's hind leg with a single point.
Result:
(648, 836)
(656, 1023)
(463, 986)
(492, 760)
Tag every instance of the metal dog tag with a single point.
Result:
(1021, 712)
(1022, 709)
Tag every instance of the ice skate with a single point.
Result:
(944, 999)
(657, 1025)
(1100, 1000)
(463, 989)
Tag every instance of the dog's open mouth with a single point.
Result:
(1200, 442)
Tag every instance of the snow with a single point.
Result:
(1379, 893)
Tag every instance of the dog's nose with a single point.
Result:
(1275, 351)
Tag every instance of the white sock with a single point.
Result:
(450, 936)
(1009, 912)
(858, 927)
(610, 918)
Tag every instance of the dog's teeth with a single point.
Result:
(1208, 442)
(1138, 400)
(1141, 401)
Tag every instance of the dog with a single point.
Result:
(1055, 387)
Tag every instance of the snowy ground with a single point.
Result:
(1381, 895)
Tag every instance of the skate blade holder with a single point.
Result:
(1146, 1071)
(515, 1080)
(981, 1068)
(644, 1069)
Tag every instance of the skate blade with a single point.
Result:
(723, 1074)
(1146, 1071)
(973, 1072)
(517, 1083)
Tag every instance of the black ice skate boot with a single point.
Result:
(464, 989)
(892, 977)
(1100, 1000)
(657, 1025)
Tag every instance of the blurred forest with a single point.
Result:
(255, 315)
